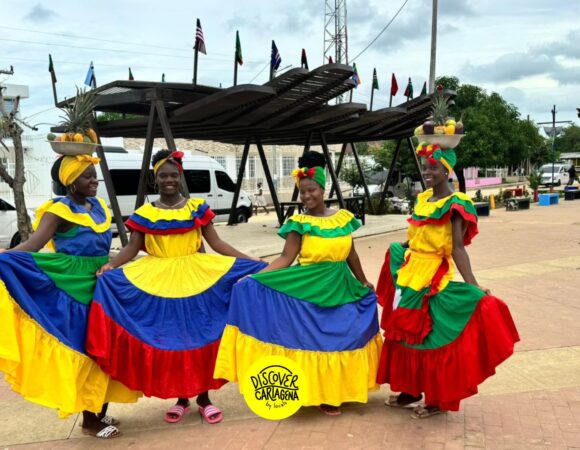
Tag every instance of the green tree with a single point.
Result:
(569, 140)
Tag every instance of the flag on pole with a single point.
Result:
(51, 68)
(163, 78)
(199, 42)
(90, 79)
(424, 90)
(394, 85)
(375, 80)
(131, 78)
(409, 90)
(304, 61)
(330, 61)
(275, 59)
(239, 59)
(355, 76)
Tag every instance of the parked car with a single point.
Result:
(400, 184)
(9, 235)
(558, 177)
(205, 178)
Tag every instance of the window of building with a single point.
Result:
(224, 181)
(288, 165)
(250, 171)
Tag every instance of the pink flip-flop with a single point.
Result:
(210, 410)
(176, 413)
(331, 412)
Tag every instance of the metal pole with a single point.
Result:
(269, 180)
(110, 187)
(433, 48)
(390, 174)
(362, 175)
(149, 138)
(331, 171)
(338, 167)
(232, 219)
(553, 145)
(195, 65)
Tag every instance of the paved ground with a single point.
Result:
(529, 258)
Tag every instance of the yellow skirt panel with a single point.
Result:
(44, 371)
(178, 277)
(333, 377)
(419, 271)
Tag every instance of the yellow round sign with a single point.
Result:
(274, 387)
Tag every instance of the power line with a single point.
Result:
(381, 32)
(111, 41)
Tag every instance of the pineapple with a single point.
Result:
(440, 110)
(76, 120)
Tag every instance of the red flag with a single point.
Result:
(394, 85)
(330, 60)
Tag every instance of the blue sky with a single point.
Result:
(527, 50)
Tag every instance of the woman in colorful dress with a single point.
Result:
(44, 303)
(442, 338)
(321, 313)
(156, 324)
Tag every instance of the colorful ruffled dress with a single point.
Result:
(315, 313)
(442, 338)
(156, 323)
(44, 308)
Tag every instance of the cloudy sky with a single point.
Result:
(527, 50)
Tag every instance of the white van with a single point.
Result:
(205, 177)
(9, 234)
(561, 175)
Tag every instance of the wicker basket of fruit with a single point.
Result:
(79, 138)
(440, 129)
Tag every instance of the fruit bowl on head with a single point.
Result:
(443, 140)
(73, 148)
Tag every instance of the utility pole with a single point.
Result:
(553, 131)
(433, 48)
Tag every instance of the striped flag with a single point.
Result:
(276, 59)
(375, 80)
(51, 68)
(355, 76)
(199, 42)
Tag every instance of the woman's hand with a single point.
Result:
(105, 268)
(369, 285)
(486, 290)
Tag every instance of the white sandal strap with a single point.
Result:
(108, 420)
(107, 432)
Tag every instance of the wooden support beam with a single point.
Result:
(143, 176)
(416, 161)
(362, 175)
(390, 174)
(270, 181)
(330, 166)
(232, 220)
(338, 167)
(110, 187)
(168, 135)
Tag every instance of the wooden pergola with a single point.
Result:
(293, 108)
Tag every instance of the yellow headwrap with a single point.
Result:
(73, 166)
